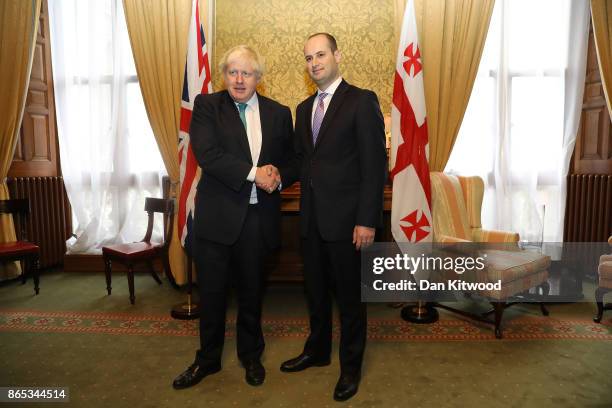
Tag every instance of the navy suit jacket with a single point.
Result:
(344, 173)
(220, 144)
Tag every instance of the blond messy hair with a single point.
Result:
(246, 52)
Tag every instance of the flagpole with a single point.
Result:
(421, 313)
(196, 81)
(188, 310)
(411, 219)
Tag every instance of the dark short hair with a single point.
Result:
(333, 45)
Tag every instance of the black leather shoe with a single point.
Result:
(347, 386)
(255, 372)
(193, 375)
(302, 362)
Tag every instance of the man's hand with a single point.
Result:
(267, 178)
(363, 237)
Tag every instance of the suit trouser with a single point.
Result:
(333, 266)
(218, 266)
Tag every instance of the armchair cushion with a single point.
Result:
(132, 251)
(509, 266)
(18, 248)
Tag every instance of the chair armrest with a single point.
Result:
(447, 239)
(481, 235)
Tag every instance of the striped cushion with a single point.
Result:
(517, 286)
(448, 207)
(605, 271)
(509, 266)
(480, 235)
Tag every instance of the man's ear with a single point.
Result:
(337, 56)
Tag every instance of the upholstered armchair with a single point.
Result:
(457, 203)
(456, 208)
(605, 284)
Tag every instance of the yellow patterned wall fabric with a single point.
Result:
(364, 30)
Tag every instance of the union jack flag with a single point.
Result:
(197, 80)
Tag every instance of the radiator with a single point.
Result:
(49, 223)
(588, 210)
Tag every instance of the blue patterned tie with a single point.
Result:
(242, 108)
(318, 117)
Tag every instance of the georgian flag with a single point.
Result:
(411, 204)
(197, 80)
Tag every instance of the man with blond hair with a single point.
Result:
(243, 144)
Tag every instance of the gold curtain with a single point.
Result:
(158, 34)
(18, 28)
(601, 14)
(451, 38)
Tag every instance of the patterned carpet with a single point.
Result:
(521, 328)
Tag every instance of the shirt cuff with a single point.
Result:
(251, 175)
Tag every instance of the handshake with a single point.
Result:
(267, 178)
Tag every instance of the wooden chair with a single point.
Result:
(143, 251)
(20, 250)
(605, 284)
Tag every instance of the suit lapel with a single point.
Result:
(308, 119)
(334, 104)
(265, 119)
(232, 118)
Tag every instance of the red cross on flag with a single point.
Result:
(411, 205)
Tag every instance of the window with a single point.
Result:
(512, 132)
(110, 159)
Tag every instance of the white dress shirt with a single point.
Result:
(330, 92)
(254, 136)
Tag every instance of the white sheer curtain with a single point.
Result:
(520, 126)
(109, 156)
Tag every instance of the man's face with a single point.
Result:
(321, 62)
(240, 78)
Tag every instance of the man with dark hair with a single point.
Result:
(333, 45)
(341, 138)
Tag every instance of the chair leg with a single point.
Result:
(35, 273)
(107, 271)
(599, 294)
(153, 273)
(545, 287)
(130, 277)
(25, 266)
(499, 312)
(168, 271)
